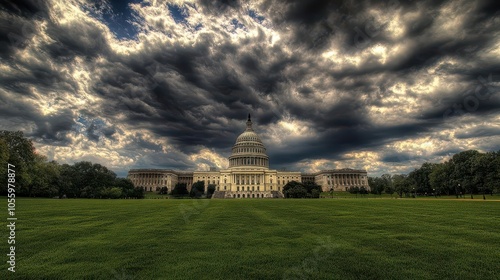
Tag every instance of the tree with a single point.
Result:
(45, 178)
(294, 189)
(198, 189)
(462, 174)
(19, 152)
(163, 190)
(4, 160)
(110, 192)
(389, 190)
(420, 178)
(126, 186)
(180, 189)
(91, 178)
(387, 183)
(439, 179)
(354, 190)
(377, 185)
(139, 192)
(313, 190)
(210, 190)
(486, 172)
(401, 184)
(363, 190)
(67, 187)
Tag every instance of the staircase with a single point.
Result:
(219, 194)
(277, 194)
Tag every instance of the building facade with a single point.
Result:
(248, 174)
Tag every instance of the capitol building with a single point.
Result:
(248, 175)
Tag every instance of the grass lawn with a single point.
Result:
(255, 239)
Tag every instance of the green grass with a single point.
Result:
(409, 196)
(256, 239)
(155, 195)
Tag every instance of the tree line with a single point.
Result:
(197, 190)
(294, 189)
(38, 177)
(466, 173)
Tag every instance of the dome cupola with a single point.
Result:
(248, 151)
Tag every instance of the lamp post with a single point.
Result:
(434, 190)
(331, 191)
(460, 190)
(414, 193)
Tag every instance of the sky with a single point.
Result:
(378, 85)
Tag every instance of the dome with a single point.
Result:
(248, 136)
(249, 150)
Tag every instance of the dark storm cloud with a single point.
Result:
(17, 23)
(479, 132)
(195, 94)
(78, 39)
(334, 143)
(54, 129)
(396, 157)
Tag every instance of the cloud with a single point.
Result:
(168, 84)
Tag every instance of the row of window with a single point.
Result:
(249, 150)
(248, 161)
(346, 176)
(248, 196)
(148, 175)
